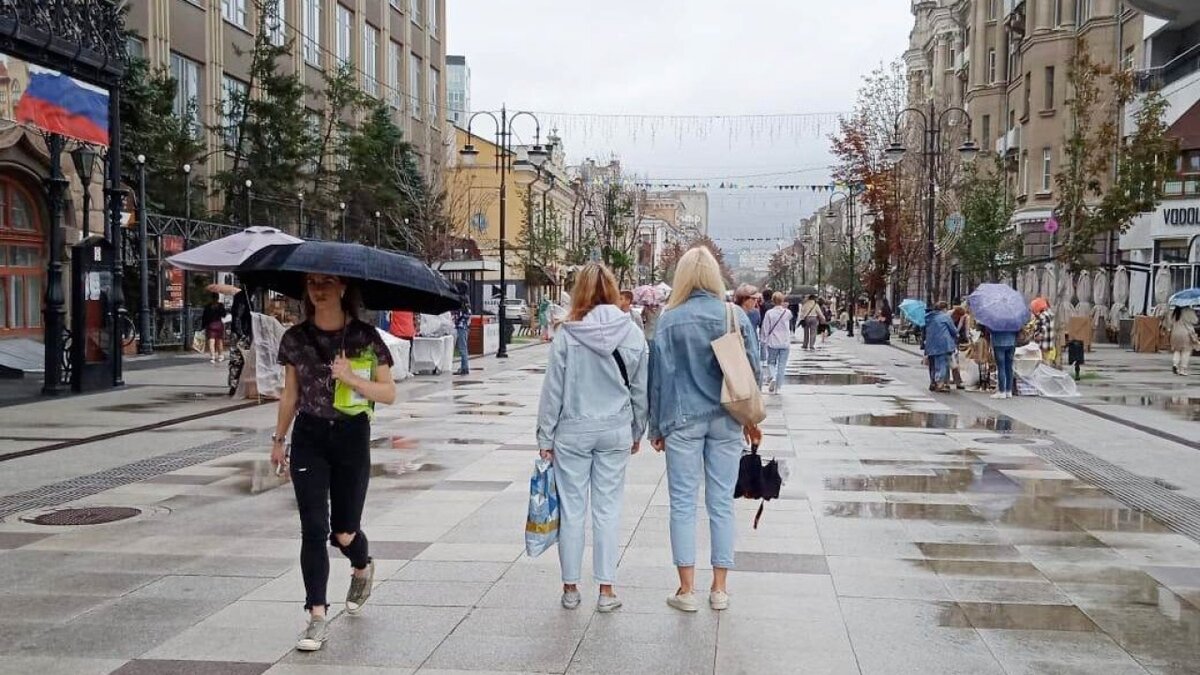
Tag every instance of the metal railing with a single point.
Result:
(1176, 69)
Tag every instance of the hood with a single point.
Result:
(602, 330)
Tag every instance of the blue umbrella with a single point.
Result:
(999, 307)
(1186, 298)
(386, 280)
(914, 311)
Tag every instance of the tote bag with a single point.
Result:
(740, 393)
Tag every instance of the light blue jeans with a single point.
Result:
(591, 463)
(712, 448)
(778, 358)
(460, 341)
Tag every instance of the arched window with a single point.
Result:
(22, 269)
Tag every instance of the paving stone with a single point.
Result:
(158, 667)
(429, 593)
(413, 634)
(57, 665)
(753, 561)
(10, 540)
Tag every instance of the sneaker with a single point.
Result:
(684, 602)
(1008, 394)
(570, 599)
(360, 589)
(608, 603)
(313, 637)
(718, 600)
(221, 358)
(213, 361)
(999, 395)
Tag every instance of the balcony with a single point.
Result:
(1010, 140)
(1172, 71)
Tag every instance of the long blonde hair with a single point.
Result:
(594, 285)
(697, 270)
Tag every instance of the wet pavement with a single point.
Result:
(912, 536)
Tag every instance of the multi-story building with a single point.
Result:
(458, 89)
(395, 49)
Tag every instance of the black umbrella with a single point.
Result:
(386, 280)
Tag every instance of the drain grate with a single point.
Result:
(95, 515)
(57, 494)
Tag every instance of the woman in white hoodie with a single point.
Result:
(777, 336)
(591, 417)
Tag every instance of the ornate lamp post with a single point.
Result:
(84, 158)
(342, 206)
(187, 242)
(146, 335)
(849, 197)
(300, 232)
(377, 230)
(931, 153)
(249, 202)
(504, 160)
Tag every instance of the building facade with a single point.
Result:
(458, 90)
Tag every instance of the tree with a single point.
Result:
(781, 270)
(540, 242)
(988, 245)
(377, 164)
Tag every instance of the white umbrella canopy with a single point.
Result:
(226, 253)
(1121, 287)
(1100, 288)
(1162, 285)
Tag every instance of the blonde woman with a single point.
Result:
(687, 420)
(591, 417)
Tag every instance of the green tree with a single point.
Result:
(988, 246)
(378, 165)
(540, 242)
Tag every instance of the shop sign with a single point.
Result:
(1182, 216)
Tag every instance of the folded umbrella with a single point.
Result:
(226, 253)
(386, 280)
(1185, 298)
(914, 311)
(999, 307)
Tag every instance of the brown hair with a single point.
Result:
(627, 294)
(778, 298)
(594, 285)
(351, 301)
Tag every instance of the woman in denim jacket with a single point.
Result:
(591, 417)
(688, 421)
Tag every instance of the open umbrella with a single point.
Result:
(226, 253)
(386, 280)
(646, 295)
(999, 307)
(1185, 298)
(914, 311)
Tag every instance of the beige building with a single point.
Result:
(396, 49)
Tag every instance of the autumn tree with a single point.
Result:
(988, 246)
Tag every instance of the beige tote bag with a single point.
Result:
(740, 393)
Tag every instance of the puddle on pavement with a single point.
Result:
(836, 379)
(901, 511)
(155, 404)
(936, 420)
(1185, 407)
(978, 478)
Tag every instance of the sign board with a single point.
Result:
(172, 277)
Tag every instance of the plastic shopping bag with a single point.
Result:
(541, 525)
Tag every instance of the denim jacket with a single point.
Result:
(583, 391)
(941, 335)
(685, 378)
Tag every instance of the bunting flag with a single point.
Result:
(826, 187)
(62, 105)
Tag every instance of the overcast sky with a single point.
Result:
(685, 57)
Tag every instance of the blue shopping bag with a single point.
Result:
(541, 525)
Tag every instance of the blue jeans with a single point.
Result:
(712, 448)
(778, 358)
(939, 368)
(460, 339)
(591, 464)
(1004, 368)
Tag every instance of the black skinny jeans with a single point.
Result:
(330, 467)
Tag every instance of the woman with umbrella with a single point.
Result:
(337, 368)
(1183, 336)
(1001, 310)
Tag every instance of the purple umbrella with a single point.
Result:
(999, 307)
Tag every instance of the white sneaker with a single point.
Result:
(999, 395)
(1008, 394)
(718, 600)
(685, 602)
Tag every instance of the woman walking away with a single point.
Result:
(1183, 338)
(687, 420)
(1004, 347)
(941, 339)
(809, 313)
(462, 331)
(213, 320)
(591, 417)
(778, 339)
(337, 368)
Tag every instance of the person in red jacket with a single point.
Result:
(403, 325)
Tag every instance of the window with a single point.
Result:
(433, 16)
(1012, 119)
(992, 7)
(276, 21)
(1028, 88)
(435, 104)
(1048, 100)
(1083, 11)
(987, 132)
(414, 84)
(395, 4)
(21, 262)
(135, 48)
(312, 32)
(991, 66)
(1127, 59)
(395, 67)
(1024, 177)
(1045, 169)
(342, 35)
(234, 11)
(414, 10)
(1058, 14)
(186, 74)
(233, 101)
(371, 60)
(950, 65)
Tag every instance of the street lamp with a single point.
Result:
(342, 206)
(249, 202)
(187, 241)
(854, 191)
(931, 153)
(300, 223)
(146, 336)
(536, 155)
(377, 237)
(84, 158)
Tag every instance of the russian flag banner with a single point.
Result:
(59, 104)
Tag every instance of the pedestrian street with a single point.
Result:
(911, 537)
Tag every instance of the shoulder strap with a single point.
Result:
(621, 366)
(731, 324)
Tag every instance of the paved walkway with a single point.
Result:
(912, 537)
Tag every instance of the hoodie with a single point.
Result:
(583, 391)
